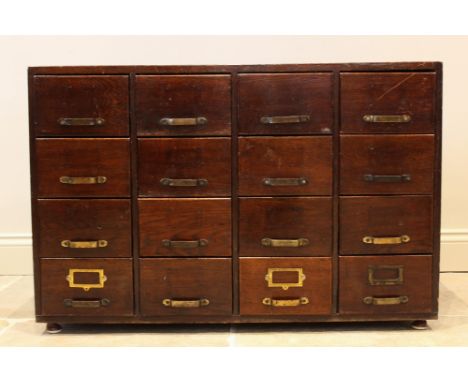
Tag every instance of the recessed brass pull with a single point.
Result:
(285, 286)
(302, 242)
(387, 281)
(181, 303)
(285, 181)
(83, 179)
(387, 118)
(183, 121)
(387, 178)
(277, 119)
(81, 121)
(68, 302)
(84, 244)
(86, 287)
(369, 300)
(184, 182)
(386, 240)
(185, 243)
(285, 302)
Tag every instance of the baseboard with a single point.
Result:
(16, 252)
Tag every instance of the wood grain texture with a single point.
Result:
(117, 288)
(184, 158)
(285, 218)
(386, 155)
(83, 96)
(354, 284)
(84, 220)
(383, 216)
(409, 93)
(83, 157)
(316, 286)
(284, 94)
(185, 279)
(183, 96)
(285, 157)
(185, 220)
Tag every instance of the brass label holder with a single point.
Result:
(86, 287)
(285, 286)
(388, 281)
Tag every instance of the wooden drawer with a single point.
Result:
(387, 164)
(285, 103)
(181, 287)
(388, 102)
(385, 284)
(184, 166)
(280, 286)
(385, 224)
(285, 166)
(285, 226)
(81, 105)
(185, 227)
(177, 105)
(83, 167)
(84, 228)
(86, 287)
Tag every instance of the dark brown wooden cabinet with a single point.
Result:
(231, 194)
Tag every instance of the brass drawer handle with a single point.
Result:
(183, 121)
(285, 286)
(302, 242)
(387, 178)
(84, 244)
(369, 300)
(185, 243)
(387, 118)
(86, 287)
(83, 179)
(271, 120)
(180, 303)
(386, 240)
(285, 302)
(387, 281)
(68, 302)
(184, 182)
(285, 181)
(81, 121)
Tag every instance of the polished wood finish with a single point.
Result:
(416, 284)
(285, 157)
(183, 96)
(181, 220)
(288, 218)
(185, 280)
(84, 220)
(285, 94)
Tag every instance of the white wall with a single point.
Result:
(17, 53)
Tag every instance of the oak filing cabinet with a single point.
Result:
(232, 194)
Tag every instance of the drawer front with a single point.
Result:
(81, 105)
(280, 286)
(285, 103)
(385, 284)
(184, 167)
(185, 287)
(84, 228)
(185, 227)
(178, 105)
(285, 166)
(385, 224)
(388, 102)
(83, 167)
(285, 226)
(86, 287)
(387, 164)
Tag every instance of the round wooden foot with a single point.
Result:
(53, 328)
(419, 325)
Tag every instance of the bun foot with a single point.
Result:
(53, 328)
(419, 325)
